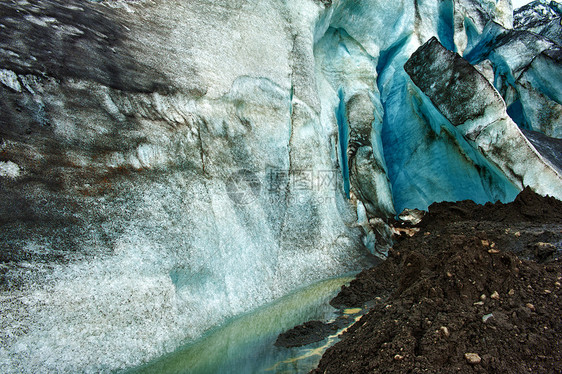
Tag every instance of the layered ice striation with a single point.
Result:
(525, 62)
(537, 15)
(470, 102)
(167, 165)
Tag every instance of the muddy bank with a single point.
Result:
(477, 289)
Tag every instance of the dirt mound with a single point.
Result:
(527, 207)
(456, 298)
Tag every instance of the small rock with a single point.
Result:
(483, 297)
(449, 274)
(412, 216)
(485, 243)
(511, 292)
(493, 251)
(487, 317)
(547, 292)
(517, 234)
(557, 284)
(530, 306)
(398, 358)
(404, 231)
(479, 303)
(472, 358)
(495, 295)
(445, 331)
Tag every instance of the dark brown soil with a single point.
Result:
(307, 333)
(481, 280)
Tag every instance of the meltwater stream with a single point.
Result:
(245, 344)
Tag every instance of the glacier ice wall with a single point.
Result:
(524, 60)
(420, 156)
(469, 101)
(166, 165)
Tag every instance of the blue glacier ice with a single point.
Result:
(343, 141)
(525, 60)
(468, 99)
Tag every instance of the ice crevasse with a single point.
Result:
(167, 164)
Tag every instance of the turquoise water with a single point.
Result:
(245, 344)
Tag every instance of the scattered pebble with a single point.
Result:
(485, 243)
(493, 251)
(388, 306)
(483, 297)
(557, 284)
(530, 306)
(472, 358)
(487, 317)
(449, 274)
(479, 303)
(517, 234)
(511, 292)
(495, 295)
(445, 331)
(398, 358)
(547, 292)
